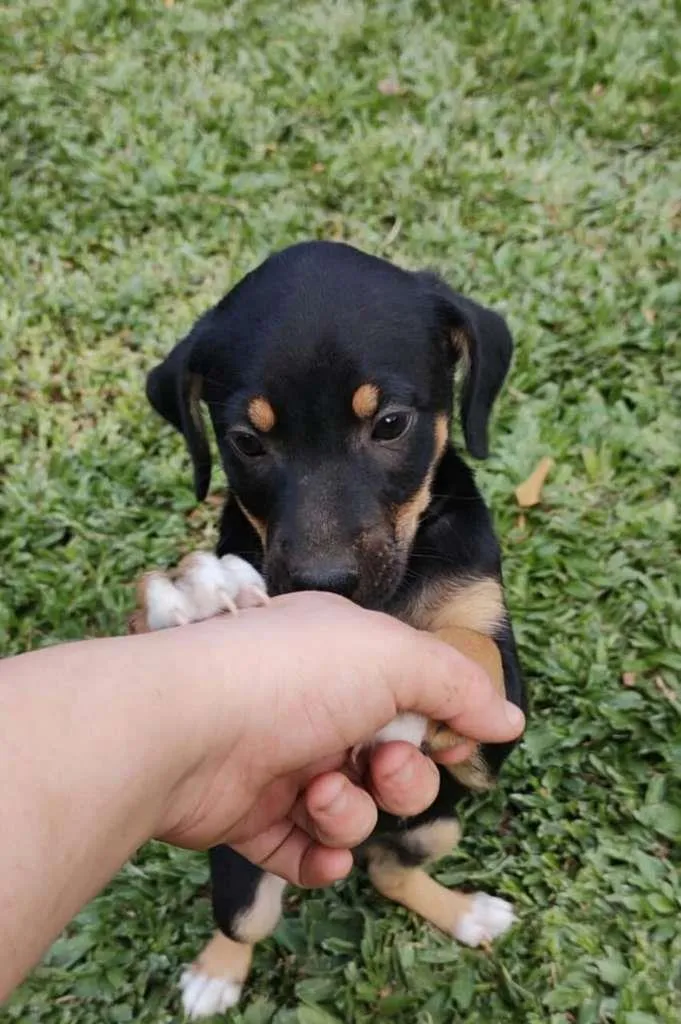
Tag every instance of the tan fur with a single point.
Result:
(259, 525)
(473, 772)
(414, 889)
(441, 437)
(365, 401)
(224, 958)
(479, 648)
(185, 563)
(408, 514)
(261, 414)
(261, 918)
(463, 613)
(476, 604)
(138, 622)
(436, 839)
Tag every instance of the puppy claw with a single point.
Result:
(229, 604)
(252, 597)
(488, 918)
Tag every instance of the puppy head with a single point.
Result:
(327, 374)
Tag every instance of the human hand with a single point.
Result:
(278, 697)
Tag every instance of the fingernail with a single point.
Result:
(337, 801)
(404, 775)
(514, 715)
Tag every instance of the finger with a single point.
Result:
(404, 782)
(448, 687)
(287, 851)
(322, 866)
(403, 669)
(336, 812)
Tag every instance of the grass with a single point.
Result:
(151, 154)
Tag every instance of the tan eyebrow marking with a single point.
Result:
(365, 401)
(261, 414)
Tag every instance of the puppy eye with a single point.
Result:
(391, 426)
(247, 444)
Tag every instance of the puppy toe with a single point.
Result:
(488, 918)
(203, 996)
(201, 579)
(245, 582)
(164, 605)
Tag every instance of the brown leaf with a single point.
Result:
(650, 316)
(390, 87)
(318, 167)
(628, 679)
(215, 500)
(528, 493)
(665, 690)
(598, 89)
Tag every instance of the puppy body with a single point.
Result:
(328, 378)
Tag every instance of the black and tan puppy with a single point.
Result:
(328, 376)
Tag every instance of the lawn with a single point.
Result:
(150, 154)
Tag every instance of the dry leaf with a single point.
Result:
(390, 87)
(665, 690)
(649, 315)
(628, 679)
(318, 167)
(528, 493)
(598, 89)
(168, 3)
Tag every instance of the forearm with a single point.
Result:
(88, 733)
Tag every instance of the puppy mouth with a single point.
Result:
(378, 582)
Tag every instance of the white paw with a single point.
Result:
(202, 586)
(408, 727)
(488, 918)
(203, 996)
(249, 586)
(166, 605)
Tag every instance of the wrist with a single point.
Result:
(201, 715)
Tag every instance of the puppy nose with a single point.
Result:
(341, 580)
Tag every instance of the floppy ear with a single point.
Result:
(174, 389)
(481, 340)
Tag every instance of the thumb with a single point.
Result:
(434, 679)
